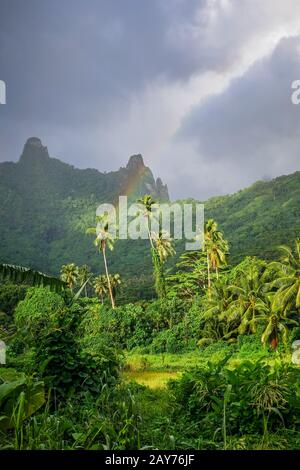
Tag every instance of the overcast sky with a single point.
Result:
(202, 88)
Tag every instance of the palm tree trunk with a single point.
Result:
(108, 280)
(208, 273)
(149, 233)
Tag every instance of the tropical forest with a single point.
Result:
(111, 344)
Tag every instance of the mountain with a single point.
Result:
(46, 206)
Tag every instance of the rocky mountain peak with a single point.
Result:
(34, 148)
(135, 163)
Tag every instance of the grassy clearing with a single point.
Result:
(162, 362)
(151, 379)
(154, 370)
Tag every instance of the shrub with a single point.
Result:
(248, 398)
(39, 312)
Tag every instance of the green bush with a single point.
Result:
(52, 332)
(248, 398)
(39, 312)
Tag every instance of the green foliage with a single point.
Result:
(39, 312)
(10, 296)
(51, 329)
(23, 275)
(245, 399)
(20, 397)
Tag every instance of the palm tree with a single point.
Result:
(249, 300)
(216, 248)
(115, 281)
(104, 239)
(218, 323)
(84, 276)
(162, 249)
(69, 274)
(100, 286)
(147, 202)
(163, 245)
(276, 325)
(287, 280)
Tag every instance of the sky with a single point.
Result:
(201, 88)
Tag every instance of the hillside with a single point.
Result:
(46, 206)
(258, 219)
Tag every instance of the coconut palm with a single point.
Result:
(287, 278)
(69, 274)
(162, 249)
(104, 239)
(216, 248)
(115, 281)
(100, 286)
(276, 328)
(147, 202)
(249, 300)
(217, 322)
(163, 245)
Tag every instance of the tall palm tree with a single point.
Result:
(147, 202)
(104, 239)
(162, 249)
(100, 286)
(287, 278)
(69, 274)
(216, 248)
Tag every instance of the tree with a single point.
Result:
(249, 299)
(287, 278)
(115, 280)
(69, 274)
(276, 325)
(100, 286)
(216, 249)
(190, 276)
(104, 239)
(147, 202)
(162, 249)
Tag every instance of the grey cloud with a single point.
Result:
(74, 70)
(253, 127)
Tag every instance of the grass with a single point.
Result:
(151, 379)
(162, 362)
(155, 370)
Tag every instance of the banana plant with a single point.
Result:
(24, 275)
